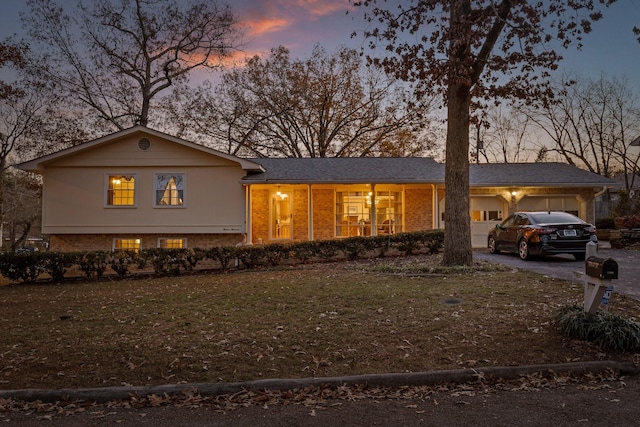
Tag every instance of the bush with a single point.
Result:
(93, 262)
(605, 329)
(28, 266)
(121, 261)
(170, 261)
(57, 263)
(251, 256)
(223, 254)
(354, 247)
(25, 267)
(607, 223)
(628, 222)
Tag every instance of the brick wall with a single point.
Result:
(323, 214)
(94, 242)
(300, 214)
(418, 207)
(260, 215)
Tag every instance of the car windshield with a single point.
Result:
(555, 218)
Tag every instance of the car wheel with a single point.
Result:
(492, 246)
(579, 257)
(523, 250)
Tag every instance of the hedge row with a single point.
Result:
(28, 267)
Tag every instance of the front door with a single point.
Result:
(281, 215)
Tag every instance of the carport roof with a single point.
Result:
(534, 175)
(414, 170)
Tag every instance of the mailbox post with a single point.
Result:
(599, 272)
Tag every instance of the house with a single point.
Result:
(140, 188)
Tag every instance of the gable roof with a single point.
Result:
(37, 165)
(394, 170)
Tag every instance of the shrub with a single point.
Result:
(628, 221)
(275, 253)
(170, 261)
(57, 263)
(605, 329)
(607, 223)
(223, 254)
(303, 251)
(25, 267)
(93, 262)
(120, 262)
(354, 247)
(251, 256)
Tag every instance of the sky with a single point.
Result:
(299, 25)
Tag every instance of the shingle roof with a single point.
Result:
(395, 170)
(533, 174)
(349, 170)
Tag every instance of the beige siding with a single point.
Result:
(74, 200)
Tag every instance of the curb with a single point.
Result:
(104, 394)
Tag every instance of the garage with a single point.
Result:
(568, 204)
(485, 212)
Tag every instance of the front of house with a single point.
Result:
(139, 188)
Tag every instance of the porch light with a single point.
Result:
(514, 193)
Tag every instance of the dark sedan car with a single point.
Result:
(542, 233)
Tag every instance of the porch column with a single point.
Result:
(247, 215)
(374, 228)
(310, 208)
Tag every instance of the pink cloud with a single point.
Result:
(320, 8)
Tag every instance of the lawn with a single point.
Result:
(348, 318)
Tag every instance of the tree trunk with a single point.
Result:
(457, 233)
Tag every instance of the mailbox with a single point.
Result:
(601, 268)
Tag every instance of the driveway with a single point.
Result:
(563, 266)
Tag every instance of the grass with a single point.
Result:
(389, 315)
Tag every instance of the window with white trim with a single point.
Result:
(121, 190)
(169, 189)
(172, 243)
(126, 245)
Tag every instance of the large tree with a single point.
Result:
(11, 54)
(327, 105)
(116, 56)
(472, 49)
(590, 124)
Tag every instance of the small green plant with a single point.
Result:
(605, 329)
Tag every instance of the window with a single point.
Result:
(169, 189)
(388, 212)
(353, 213)
(121, 190)
(126, 245)
(171, 243)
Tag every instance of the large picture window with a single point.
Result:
(121, 190)
(169, 189)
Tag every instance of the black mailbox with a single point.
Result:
(601, 268)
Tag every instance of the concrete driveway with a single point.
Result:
(563, 266)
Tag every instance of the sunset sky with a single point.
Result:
(611, 48)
